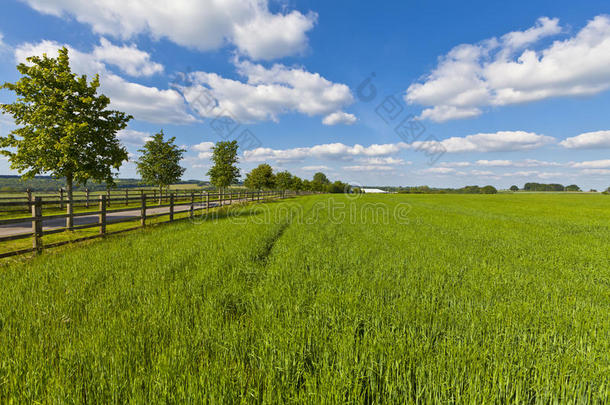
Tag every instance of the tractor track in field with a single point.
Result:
(263, 255)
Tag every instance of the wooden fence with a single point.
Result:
(24, 200)
(189, 202)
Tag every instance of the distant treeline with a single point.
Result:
(549, 187)
(432, 190)
(48, 183)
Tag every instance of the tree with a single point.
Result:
(65, 128)
(224, 172)
(488, 190)
(572, 187)
(514, 188)
(297, 183)
(338, 187)
(319, 182)
(283, 181)
(159, 163)
(260, 178)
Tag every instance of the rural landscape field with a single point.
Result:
(324, 299)
(304, 202)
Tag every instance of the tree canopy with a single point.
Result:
(224, 172)
(159, 162)
(284, 181)
(260, 178)
(64, 126)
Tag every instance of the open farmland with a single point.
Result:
(386, 298)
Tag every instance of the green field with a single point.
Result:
(324, 299)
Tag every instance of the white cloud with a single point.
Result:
(510, 163)
(595, 172)
(324, 151)
(271, 36)
(200, 24)
(315, 168)
(369, 168)
(266, 94)
(204, 149)
(339, 117)
(144, 103)
(439, 170)
(503, 141)
(129, 59)
(485, 173)
(588, 140)
(492, 73)
(384, 161)
(132, 137)
(455, 164)
(592, 164)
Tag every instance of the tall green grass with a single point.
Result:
(468, 299)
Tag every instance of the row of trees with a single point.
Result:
(263, 178)
(546, 187)
(463, 190)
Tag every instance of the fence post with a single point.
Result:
(70, 213)
(102, 217)
(108, 197)
(29, 194)
(126, 196)
(230, 197)
(61, 198)
(86, 198)
(191, 210)
(142, 209)
(171, 207)
(37, 225)
(207, 201)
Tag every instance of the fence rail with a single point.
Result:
(177, 203)
(23, 201)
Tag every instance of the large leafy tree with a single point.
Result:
(224, 172)
(159, 162)
(284, 181)
(260, 178)
(64, 126)
(320, 181)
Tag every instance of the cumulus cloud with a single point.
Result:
(503, 141)
(509, 70)
(592, 164)
(133, 138)
(315, 168)
(201, 24)
(266, 93)
(204, 149)
(324, 151)
(339, 117)
(588, 140)
(443, 171)
(144, 103)
(369, 168)
(128, 59)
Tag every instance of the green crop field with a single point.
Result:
(323, 299)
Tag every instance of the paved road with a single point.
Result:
(50, 224)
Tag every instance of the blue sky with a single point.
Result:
(487, 92)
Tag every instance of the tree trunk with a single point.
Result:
(69, 219)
